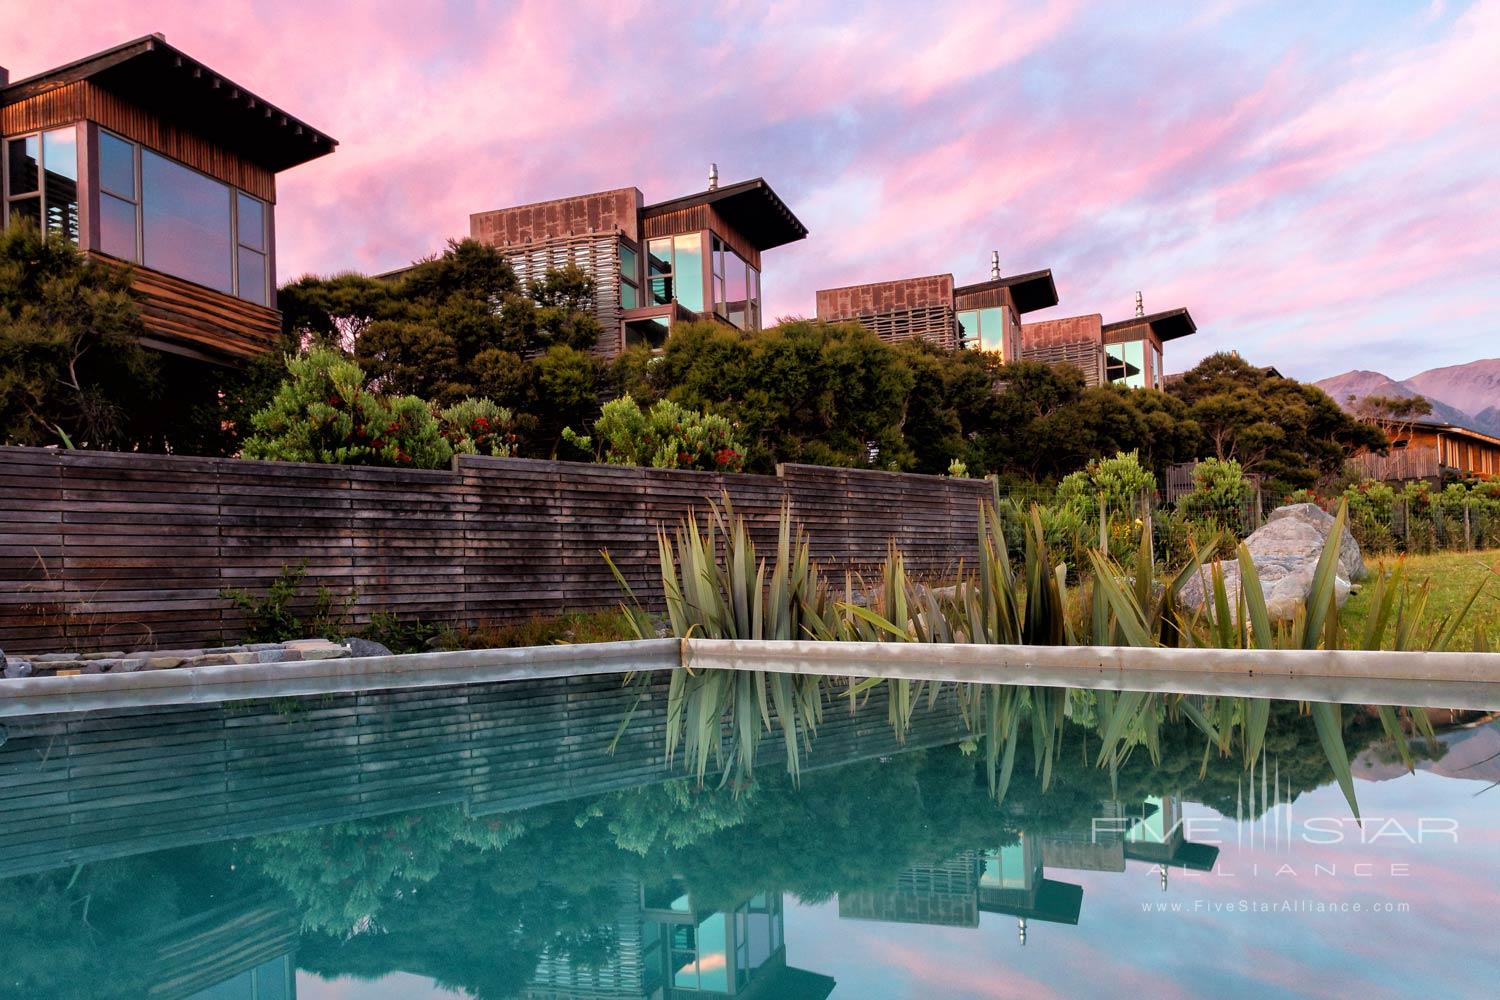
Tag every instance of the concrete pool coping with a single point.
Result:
(1413, 679)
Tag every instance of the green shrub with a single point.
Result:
(1221, 494)
(666, 436)
(279, 616)
(326, 411)
(478, 427)
(1118, 483)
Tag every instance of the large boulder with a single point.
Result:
(1285, 551)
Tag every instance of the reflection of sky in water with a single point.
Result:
(1444, 946)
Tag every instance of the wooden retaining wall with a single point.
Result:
(85, 786)
(113, 551)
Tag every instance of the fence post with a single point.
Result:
(1468, 533)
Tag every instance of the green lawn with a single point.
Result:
(1452, 577)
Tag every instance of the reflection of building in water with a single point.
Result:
(667, 947)
(239, 951)
(1011, 879)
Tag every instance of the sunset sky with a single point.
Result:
(1318, 183)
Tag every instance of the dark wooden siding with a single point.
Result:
(687, 220)
(83, 100)
(190, 318)
(131, 551)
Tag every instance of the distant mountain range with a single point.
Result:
(1467, 395)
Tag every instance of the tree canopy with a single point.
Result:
(1288, 431)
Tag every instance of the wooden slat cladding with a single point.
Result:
(83, 100)
(983, 298)
(189, 316)
(77, 788)
(700, 217)
(598, 256)
(133, 551)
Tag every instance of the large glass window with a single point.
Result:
(675, 265)
(188, 227)
(736, 287)
(42, 180)
(630, 295)
(984, 329)
(1126, 363)
(119, 204)
(253, 277)
(157, 212)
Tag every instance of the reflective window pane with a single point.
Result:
(117, 166)
(754, 291)
(991, 330)
(60, 161)
(661, 291)
(25, 160)
(186, 222)
(735, 282)
(659, 256)
(687, 262)
(628, 263)
(629, 296)
(253, 276)
(117, 227)
(26, 208)
(713, 955)
(968, 328)
(252, 221)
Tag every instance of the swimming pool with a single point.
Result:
(530, 838)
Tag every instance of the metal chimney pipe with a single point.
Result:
(713, 176)
(994, 265)
(4, 77)
(1140, 308)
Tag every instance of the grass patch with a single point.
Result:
(1451, 577)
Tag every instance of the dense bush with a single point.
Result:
(1418, 519)
(666, 436)
(326, 411)
(1221, 494)
(1118, 485)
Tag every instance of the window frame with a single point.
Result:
(628, 280)
(236, 242)
(39, 196)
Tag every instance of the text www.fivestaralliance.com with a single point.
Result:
(1272, 906)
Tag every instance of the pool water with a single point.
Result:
(484, 842)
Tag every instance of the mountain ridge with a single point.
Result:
(1467, 394)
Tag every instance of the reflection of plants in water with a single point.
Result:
(1009, 600)
(476, 902)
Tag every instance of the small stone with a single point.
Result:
(18, 668)
(115, 655)
(365, 647)
(240, 657)
(256, 647)
(129, 665)
(211, 660)
(306, 643)
(54, 657)
(276, 655)
(164, 662)
(67, 673)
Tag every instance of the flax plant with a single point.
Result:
(715, 587)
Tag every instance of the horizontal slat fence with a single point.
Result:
(112, 551)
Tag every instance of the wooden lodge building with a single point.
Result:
(1432, 450)
(984, 315)
(1128, 351)
(141, 154)
(694, 257)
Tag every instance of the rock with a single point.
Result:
(276, 654)
(18, 668)
(113, 655)
(1285, 551)
(1351, 564)
(164, 662)
(366, 647)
